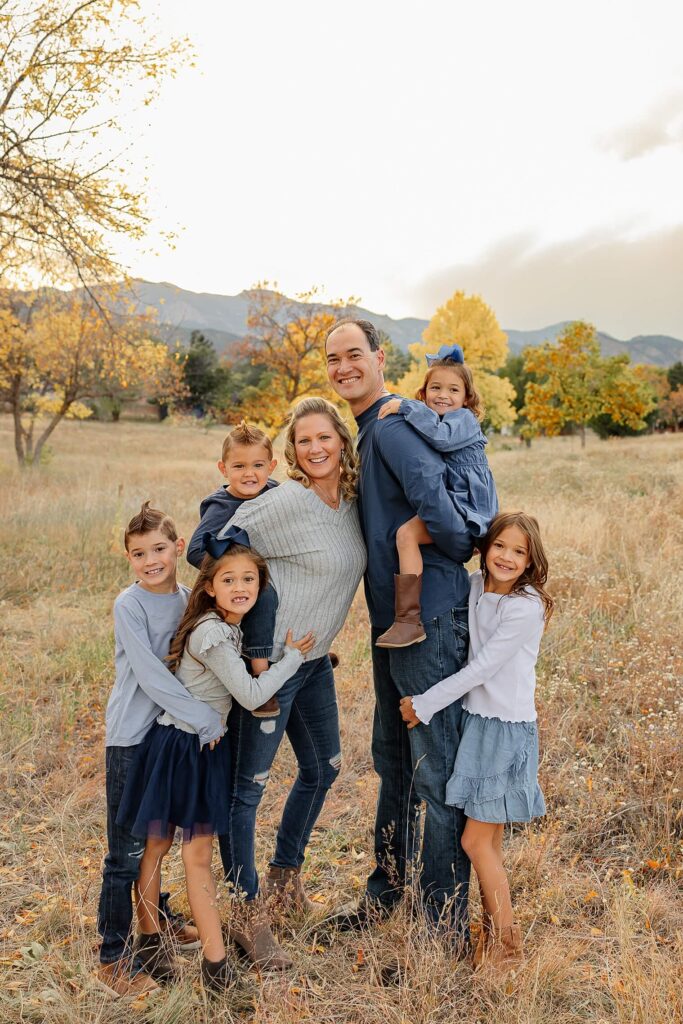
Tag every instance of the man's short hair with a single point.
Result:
(368, 329)
(246, 434)
(147, 521)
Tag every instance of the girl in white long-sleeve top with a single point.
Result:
(494, 778)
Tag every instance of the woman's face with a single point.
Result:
(318, 447)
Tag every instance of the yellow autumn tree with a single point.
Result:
(468, 321)
(64, 65)
(58, 349)
(286, 340)
(574, 385)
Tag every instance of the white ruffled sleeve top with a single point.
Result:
(499, 679)
(212, 670)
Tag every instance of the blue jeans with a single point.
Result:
(414, 766)
(309, 716)
(258, 625)
(121, 865)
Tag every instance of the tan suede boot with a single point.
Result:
(250, 928)
(407, 627)
(483, 941)
(505, 950)
(284, 887)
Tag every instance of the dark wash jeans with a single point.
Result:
(310, 718)
(414, 766)
(121, 866)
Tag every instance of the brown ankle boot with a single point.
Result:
(271, 709)
(483, 941)
(505, 950)
(284, 887)
(407, 628)
(250, 928)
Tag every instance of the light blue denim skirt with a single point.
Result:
(495, 776)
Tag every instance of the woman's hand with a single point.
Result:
(306, 644)
(214, 743)
(408, 712)
(389, 408)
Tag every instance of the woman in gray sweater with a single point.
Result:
(308, 531)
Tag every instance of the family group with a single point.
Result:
(210, 680)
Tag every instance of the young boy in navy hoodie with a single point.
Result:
(246, 463)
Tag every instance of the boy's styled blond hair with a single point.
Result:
(246, 434)
(148, 520)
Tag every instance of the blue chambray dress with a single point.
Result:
(495, 775)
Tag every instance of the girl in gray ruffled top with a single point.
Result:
(176, 783)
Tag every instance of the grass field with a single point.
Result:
(597, 884)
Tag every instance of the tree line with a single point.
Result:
(69, 350)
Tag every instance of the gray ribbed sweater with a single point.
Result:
(316, 558)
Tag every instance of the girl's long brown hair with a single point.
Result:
(536, 575)
(473, 400)
(200, 601)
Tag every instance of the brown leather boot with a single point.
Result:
(483, 941)
(271, 709)
(284, 887)
(505, 950)
(249, 927)
(407, 627)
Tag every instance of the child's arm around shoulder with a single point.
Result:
(456, 430)
(520, 621)
(152, 676)
(213, 643)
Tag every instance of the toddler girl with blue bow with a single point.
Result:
(446, 415)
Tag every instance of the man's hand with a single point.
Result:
(389, 408)
(408, 712)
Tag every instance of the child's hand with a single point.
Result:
(389, 408)
(408, 712)
(306, 644)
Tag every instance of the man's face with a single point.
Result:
(354, 370)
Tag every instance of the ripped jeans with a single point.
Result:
(309, 716)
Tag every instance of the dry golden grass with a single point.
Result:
(597, 883)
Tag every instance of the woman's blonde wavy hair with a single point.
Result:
(349, 463)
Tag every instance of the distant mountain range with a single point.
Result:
(223, 319)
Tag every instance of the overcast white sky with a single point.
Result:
(532, 152)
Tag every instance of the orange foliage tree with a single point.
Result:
(286, 340)
(574, 384)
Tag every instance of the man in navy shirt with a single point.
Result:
(400, 477)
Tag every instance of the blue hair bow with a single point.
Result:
(217, 546)
(448, 353)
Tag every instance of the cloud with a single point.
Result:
(625, 287)
(661, 125)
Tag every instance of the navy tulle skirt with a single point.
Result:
(173, 784)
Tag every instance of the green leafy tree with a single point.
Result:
(397, 362)
(205, 378)
(675, 375)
